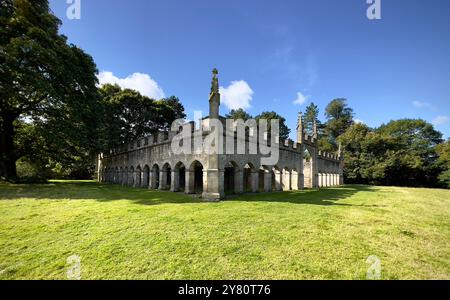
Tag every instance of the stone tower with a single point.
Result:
(315, 134)
(300, 131)
(214, 96)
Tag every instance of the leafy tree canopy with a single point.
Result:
(238, 114)
(271, 115)
(311, 115)
(443, 163)
(401, 152)
(129, 115)
(339, 118)
(42, 79)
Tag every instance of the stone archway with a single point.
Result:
(277, 179)
(131, 176)
(154, 178)
(178, 178)
(138, 177)
(251, 176)
(146, 177)
(232, 179)
(261, 176)
(125, 176)
(165, 177)
(194, 178)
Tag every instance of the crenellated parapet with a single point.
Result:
(329, 156)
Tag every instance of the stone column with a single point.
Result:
(314, 167)
(295, 185)
(255, 181)
(278, 175)
(150, 180)
(301, 180)
(162, 180)
(214, 190)
(238, 181)
(301, 175)
(175, 182)
(142, 178)
(189, 179)
(267, 181)
(130, 178)
(286, 180)
(328, 179)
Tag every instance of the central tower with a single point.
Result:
(214, 96)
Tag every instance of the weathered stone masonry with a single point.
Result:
(150, 163)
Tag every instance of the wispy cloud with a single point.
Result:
(312, 70)
(304, 71)
(140, 82)
(237, 95)
(420, 104)
(441, 120)
(358, 121)
(301, 99)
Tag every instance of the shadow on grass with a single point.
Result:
(325, 196)
(89, 190)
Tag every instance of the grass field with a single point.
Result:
(125, 233)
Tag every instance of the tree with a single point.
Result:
(339, 116)
(443, 163)
(41, 77)
(129, 115)
(311, 115)
(402, 152)
(352, 144)
(238, 114)
(271, 115)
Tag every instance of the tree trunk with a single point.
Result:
(8, 155)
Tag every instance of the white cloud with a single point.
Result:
(358, 121)
(237, 95)
(301, 99)
(420, 104)
(441, 120)
(140, 82)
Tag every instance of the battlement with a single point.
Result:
(329, 156)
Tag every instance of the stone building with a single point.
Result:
(150, 162)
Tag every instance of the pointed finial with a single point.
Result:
(300, 119)
(300, 131)
(315, 128)
(215, 82)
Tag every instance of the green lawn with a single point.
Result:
(124, 233)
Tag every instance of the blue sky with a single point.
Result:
(271, 53)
